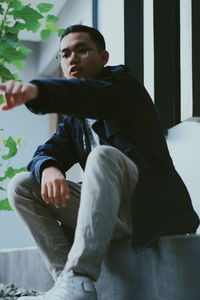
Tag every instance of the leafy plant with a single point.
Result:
(8, 148)
(15, 16)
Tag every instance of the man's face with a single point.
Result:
(80, 57)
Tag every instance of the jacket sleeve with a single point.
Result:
(119, 98)
(59, 151)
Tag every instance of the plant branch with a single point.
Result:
(4, 18)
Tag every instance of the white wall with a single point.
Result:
(148, 47)
(186, 58)
(184, 144)
(184, 139)
(111, 25)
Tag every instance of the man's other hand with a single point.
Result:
(17, 93)
(54, 187)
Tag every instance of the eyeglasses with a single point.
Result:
(81, 52)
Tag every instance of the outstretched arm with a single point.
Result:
(117, 97)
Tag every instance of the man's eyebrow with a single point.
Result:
(81, 44)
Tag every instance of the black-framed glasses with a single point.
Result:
(81, 52)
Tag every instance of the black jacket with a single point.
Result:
(127, 120)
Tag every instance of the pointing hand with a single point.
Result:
(17, 93)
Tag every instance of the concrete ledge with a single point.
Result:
(168, 271)
(24, 268)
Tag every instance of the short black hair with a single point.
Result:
(95, 35)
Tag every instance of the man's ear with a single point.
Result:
(105, 57)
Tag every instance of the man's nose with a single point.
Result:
(74, 58)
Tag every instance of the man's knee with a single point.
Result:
(17, 185)
(102, 151)
(105, 156)
(110, 159)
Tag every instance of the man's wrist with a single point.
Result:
(33, 91)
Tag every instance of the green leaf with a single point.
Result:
(44, 7)
(5, 41)
(33, 26)
(5, 74)
(1, 10)
(1, 99)
(51, 27)
(15, 76)
(26, 12)
(5, 205)
(25, 50)
(12, 54)
(11, 38)
(18, 26)
(19, 139)
(11, 172)
(30, 16)
(60, 32)
(2, 189)
(52, 18)
(18, 64)
(15, 4)
(45, 34)
(3, 45)
(2, 141)
(12, 147)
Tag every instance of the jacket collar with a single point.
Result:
(110, 71)
(106, 128)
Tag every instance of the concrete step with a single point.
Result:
(168, 271)
(24, 268)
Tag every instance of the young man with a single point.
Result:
(130, 187)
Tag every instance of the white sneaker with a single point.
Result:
(68, 287)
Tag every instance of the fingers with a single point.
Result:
(12, 96)
(2, 87)
(44, 193)
(64, 194)
(56, 193)
(17, 93)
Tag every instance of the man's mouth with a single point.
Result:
(74, 70)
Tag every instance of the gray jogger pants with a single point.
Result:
(99, 211)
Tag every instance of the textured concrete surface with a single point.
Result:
(24, 268)
(168, 271)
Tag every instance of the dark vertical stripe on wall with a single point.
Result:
(167, 60)
(196, 56)
(134, 57)
(95, 13)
